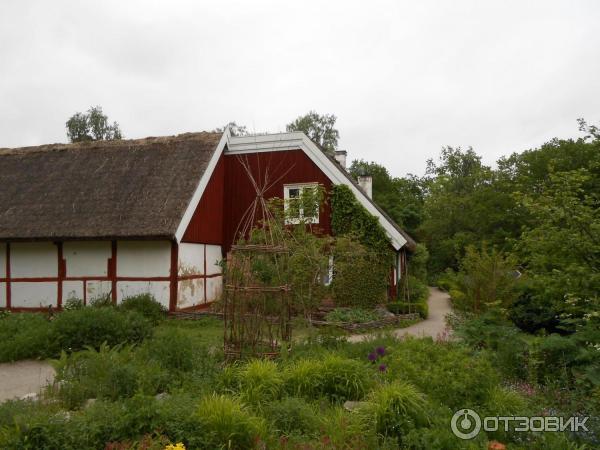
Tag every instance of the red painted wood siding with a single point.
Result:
(288, 167)
(206, 225)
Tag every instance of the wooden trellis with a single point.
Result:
(257, 309)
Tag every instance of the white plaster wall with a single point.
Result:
(2, 260)
(143, 258)
(32, 294)
(159, 289)
(213, 258)
(72, 289)
(191, 259)
(214, 288)
(33, 259)
(2, 295)
(86, 259)
(190, 293)
(95, 289)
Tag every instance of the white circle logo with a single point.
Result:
(466, 424)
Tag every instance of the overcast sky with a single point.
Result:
(404, 77)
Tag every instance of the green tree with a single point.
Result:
(561, 251)
(466, 203)
(92, 126)
(319, 128)
(234, 128)
(401, 198)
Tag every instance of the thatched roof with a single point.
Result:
(105, 189)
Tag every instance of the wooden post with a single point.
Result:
(173, 284)
(8, 302)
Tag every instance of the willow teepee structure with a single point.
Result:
(257, 309)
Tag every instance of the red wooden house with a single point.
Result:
(149, 215)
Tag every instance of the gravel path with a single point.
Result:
(439, 306)
(21, 378)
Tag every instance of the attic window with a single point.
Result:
(301, 204)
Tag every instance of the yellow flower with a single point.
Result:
(178, 446)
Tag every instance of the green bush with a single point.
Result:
(418, 290)
(360, 279)
(107, 373)
(292, 416)
(405, 308)
(229, 424)
(449, 373)
(394, 409)
(146, 305)
(24, 335)
(77, 329)
(172, 349)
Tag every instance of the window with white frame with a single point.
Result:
(301, 203)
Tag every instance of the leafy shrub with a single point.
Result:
(292, 416)
(228, 423)
(146, 305)
(23, 336)
(107, 373)
(353, 315)
(394, 409)
(485, 278)
(172, 349)
(420, 308)
(532, 312)
(492, 331)
(418, 290)
(77, 329)
(359, 279)
(447, 373)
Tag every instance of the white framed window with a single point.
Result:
(299, 204)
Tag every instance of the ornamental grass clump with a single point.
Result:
(292, 416)
(259, 381)
(334, 377)
(229, 424)
(394, 409)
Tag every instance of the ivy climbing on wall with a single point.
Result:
(362, 253)
(348, 216)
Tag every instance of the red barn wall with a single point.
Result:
(206, 225)
(285, 167)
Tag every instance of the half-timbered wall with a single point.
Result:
(200, 274)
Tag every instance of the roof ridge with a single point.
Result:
(104, 143)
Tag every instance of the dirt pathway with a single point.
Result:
(24, 377)
(439, 306)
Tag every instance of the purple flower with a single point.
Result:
(372, 357)
(380, 351)
(382, 367)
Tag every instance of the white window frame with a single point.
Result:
(286, 198)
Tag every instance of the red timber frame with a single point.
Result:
(173, 278)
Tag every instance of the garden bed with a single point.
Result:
(371, 325)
